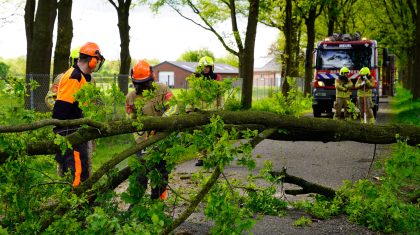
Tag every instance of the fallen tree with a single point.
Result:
(290, 129)
(269, 125)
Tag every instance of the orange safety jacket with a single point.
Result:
(71, 82)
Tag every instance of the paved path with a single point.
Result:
(327, 164)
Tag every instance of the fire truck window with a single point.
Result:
(355, 58)
(336, 59)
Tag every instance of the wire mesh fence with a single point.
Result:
(39, 85)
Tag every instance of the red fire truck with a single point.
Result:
(330, 56)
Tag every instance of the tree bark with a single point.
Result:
(416, 83)
(310, 45)
(64, 37)
(29, 29)
(246, 56)
(332, 13)
(297, 54)
(40, 52)
(307, 187)
(123, 11)
(288, 33)
(290, 129)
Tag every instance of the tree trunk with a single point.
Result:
(332, 18)
(246, 56)
(288, 32)
(29, 29)
(411, 69)
(64, 36)
(40, 53)
(125, 58)
(292, 129)
(307, 187)
(297, 55)
(416, 83)
(310, 31)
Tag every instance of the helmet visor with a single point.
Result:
(101, 60)
(99, 64)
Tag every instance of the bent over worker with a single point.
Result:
(143, 77)
(66, 107)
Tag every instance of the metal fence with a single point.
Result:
(35, 97)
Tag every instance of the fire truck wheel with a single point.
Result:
(317, 112)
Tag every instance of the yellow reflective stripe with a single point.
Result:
(171, 111)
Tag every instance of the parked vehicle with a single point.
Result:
(330, 56)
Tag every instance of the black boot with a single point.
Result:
(199, 163)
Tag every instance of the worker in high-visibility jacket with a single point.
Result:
(52, 92)
(66, 107)
(342, 88)
(205, 70)
(50, 101)
(143, 78)
(364, 85)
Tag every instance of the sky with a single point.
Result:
(162, 36)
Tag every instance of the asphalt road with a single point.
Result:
(327, 164)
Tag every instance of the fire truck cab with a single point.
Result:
(329, 57)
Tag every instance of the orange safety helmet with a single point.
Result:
(92, 49)
(142, 72)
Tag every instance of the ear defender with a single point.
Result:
(92, 63)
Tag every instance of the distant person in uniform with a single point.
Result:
(205, 70)
(364, 85)
(343, 86)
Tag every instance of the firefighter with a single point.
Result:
(342, 88)
(143, 78)
(364, 86)
(66, 107)
(205, 69)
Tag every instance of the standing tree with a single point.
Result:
(276, 14)
(217, 12)
(394, 26)
(64, 36)
(309, 10)
(416, 83)
(347, 9)
(288, 33)
(39, 32)
(123, 11)
(331, 13)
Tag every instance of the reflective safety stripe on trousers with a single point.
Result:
(78, 168)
